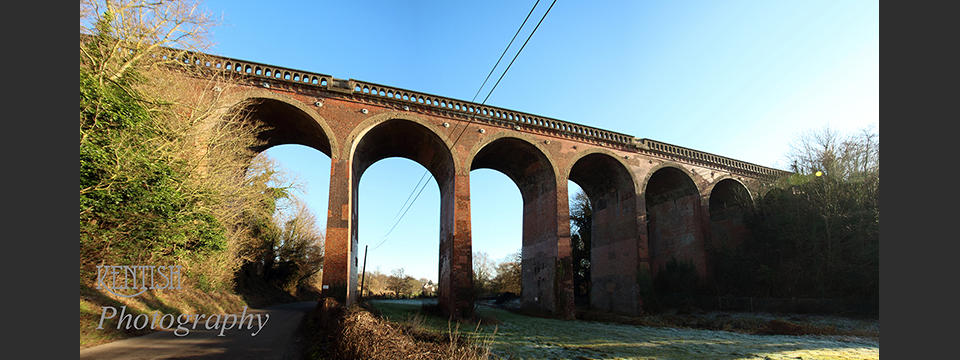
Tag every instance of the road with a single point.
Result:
(275, 340)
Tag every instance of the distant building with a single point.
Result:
(428, 289)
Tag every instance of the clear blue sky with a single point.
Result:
(734, 78)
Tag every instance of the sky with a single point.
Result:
(740, 79)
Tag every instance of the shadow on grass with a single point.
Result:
(520, 336)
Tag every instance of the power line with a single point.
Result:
(411, 194)
(508, 66)
(518, 52)
(401, 212)
(505, 51)
(384, 239)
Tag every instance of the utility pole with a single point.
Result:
(363, 275)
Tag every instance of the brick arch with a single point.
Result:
(304, 126)
(401, 135)
(526, 143)
(708, 190)
(365, 126)
(674, 218)
(596, 150)
(616, 248)
(726, 212)
(531, 140)
(669, 164)
(529, 166)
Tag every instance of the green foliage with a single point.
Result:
(814, 235)
(400, 283)
(581, 219)
(287, 249)
(165, 176)
(134, 203)
(508, 275)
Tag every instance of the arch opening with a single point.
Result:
(399, 204)
(296, 143)
(581, 221)
(614, 242)
(729, 203)
(496, 209)
(534, 176)
(411, 140)
(674, 231)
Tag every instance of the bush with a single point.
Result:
(677, 277)
(356, 333)
(816, 232)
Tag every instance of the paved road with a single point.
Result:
(276, 340)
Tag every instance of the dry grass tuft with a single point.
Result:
(356, 333)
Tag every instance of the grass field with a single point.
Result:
(514, 336)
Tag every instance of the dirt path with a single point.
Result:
(276, 340)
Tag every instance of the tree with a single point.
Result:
(482, 272)
(399, 282)
(375, 283)
(131, 32)
(300, 246)
(581, 221)
(852, 157)
(816, 232)
(163, 174)
(508, 275)
(414, 285)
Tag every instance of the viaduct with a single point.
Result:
(652, 201)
